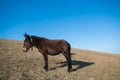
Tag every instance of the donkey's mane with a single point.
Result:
(38, 38)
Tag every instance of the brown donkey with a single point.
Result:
(48, 47)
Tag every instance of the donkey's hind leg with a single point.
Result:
(68, 58)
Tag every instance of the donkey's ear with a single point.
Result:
(25, 35)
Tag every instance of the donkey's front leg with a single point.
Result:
(46, 61)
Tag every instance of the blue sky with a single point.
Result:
(85, 24)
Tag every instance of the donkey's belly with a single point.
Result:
(54, 52)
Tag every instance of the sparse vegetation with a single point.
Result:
(87, 65)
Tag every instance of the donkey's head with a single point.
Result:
(27, 43)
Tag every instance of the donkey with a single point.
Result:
(48, 47)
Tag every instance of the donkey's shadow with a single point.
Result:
(79, 64)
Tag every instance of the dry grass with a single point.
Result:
(87, 65)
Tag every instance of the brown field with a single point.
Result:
(87, 65)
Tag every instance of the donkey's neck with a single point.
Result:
(37, 41)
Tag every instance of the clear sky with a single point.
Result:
(85, 24)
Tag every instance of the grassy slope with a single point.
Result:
(87, 65)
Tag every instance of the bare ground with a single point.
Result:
(87, 65)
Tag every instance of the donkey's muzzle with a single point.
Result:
(24, 49)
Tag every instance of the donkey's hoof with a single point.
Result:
(70, 69)
(46, 69)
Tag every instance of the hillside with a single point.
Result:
(87, 65)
